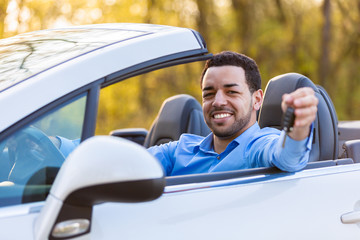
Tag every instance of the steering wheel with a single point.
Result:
(30, 149)
(2, 146)
(4, 162)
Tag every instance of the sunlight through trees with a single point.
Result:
(319, 38)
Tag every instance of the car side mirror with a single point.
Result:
(101, 169)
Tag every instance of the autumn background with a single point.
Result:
(318, 38)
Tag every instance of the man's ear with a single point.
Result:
(257, 99)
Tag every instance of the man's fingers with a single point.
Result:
(303, 112)
(301, 92)
(305, 116)
(301, 98)
(287, 100)
(305, 101)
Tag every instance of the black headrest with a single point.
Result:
(178, 114)
(325, 143)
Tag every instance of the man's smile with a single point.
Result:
(221, 115)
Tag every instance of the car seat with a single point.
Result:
(178, 114)
(325, 142)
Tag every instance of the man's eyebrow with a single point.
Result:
(208, 88)
(231, 85)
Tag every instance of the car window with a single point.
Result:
(31, 157)
(135, 102)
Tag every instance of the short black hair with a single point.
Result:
(229, 58)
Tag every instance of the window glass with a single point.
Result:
(135, 102)
(31, 157)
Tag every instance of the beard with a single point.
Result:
(234, 129)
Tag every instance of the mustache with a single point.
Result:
(220, 109)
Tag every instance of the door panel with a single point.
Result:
(304, 205)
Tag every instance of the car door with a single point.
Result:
(305, 205)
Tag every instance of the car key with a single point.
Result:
(288, 122)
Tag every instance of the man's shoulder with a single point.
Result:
(190, 138)
(186, 140)
(189, 142)
(266, 132)
(255, 132)
(269, 130)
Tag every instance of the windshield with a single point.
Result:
(28, 54)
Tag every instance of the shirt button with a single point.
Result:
(218, 157)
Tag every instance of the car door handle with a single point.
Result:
(351, 217)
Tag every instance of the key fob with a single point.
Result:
(288, 120)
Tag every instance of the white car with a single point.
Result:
(112, 188)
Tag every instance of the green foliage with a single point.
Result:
(281, 35)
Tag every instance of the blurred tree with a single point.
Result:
(3, 7)
(204, 17)
(281, 12)
(318, 38)
(245, 18)
(346, 68)
(324, 63)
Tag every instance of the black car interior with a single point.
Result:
(178, 114)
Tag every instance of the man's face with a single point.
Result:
(228, 105)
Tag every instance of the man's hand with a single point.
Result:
(304, 102)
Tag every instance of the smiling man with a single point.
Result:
(231, 90)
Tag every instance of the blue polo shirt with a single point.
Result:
(253, 148)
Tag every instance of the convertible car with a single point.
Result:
(110, 187)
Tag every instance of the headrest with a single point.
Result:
(178, 114)
(270, 111)
(325, 125)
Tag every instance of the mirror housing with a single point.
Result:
(101, 169)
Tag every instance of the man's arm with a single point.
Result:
(295, 154)
(267, 150)
(165, 154)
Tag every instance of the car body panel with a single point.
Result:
(348, 131)
(273, 209)
(20, 217)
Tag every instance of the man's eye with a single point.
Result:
(232, 92)
(206, 95)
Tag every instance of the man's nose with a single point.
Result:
(219, 100)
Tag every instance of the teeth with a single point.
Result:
(222, 115)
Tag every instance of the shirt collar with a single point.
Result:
(206, 145)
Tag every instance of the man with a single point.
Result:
(231, 97)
